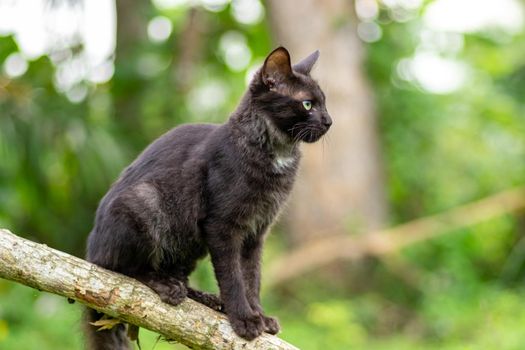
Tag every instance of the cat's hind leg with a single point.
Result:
(210, 300)
(173, 291)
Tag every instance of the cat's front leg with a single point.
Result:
(226, 259)
(251, 268)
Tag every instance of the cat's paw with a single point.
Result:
(210, 300)
(248, 327)
(271, 325)
(171, 291)
(214, 302)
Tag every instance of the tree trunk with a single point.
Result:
(190, 323)
(341, 182)
(127, 84)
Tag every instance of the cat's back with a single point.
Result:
(185, 135)
(169, 152)
(169, 165)
(179, 142)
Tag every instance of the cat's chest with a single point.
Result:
(251, 193)
(281, 164)
(260, 199)
(258, 211)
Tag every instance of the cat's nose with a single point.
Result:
(326, 120)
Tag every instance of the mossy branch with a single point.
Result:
(189, 323)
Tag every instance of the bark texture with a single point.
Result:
(190, 323)
(341, 181)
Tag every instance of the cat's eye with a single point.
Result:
(307, 104)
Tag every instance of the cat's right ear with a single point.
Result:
(277, 67)
(305, 66)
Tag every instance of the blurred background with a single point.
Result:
(406, 229)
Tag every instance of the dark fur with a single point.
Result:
(211, 188)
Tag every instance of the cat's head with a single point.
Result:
(290, 98)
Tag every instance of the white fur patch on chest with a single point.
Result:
(282, 163)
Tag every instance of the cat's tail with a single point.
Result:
(109, 339)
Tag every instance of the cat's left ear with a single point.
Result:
(277, 67)
(305, 66)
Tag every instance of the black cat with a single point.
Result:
(211, 188)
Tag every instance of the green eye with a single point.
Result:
(307, 104)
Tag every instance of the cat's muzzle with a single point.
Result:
(315, 132)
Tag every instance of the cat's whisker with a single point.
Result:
(299, 136)
(296, 126)
(323, 143)
(302, 134)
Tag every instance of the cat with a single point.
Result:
(203, 188)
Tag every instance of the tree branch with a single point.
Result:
(379, 243)
(190, 323)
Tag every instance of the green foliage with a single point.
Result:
(33, 320)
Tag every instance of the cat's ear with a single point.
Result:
(305, 66)
(277, 67)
